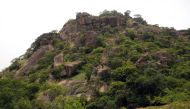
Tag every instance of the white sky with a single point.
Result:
(22, 21)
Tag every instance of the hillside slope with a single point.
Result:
(110, 61)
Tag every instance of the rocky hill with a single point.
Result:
(110, 61)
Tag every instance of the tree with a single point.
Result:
(127, 13)
(137, 16)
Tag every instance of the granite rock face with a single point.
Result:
(85, 20)
(92, 25)
(58, 60)
(70, 68)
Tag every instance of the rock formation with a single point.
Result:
(33, 60)
(58, 60)
(71, 31)
(70, 68)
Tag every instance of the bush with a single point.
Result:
(131, 34)
(87, 69)
(54, 91)
(102, 103)
(46, 60)
(125, 72)
(98, 50)
(115, 62)
(56, 72)
(23, 103)
(15, 65)
(73, 103)
(16, 94)
(60, 45)
(148, 36)
(110, 13)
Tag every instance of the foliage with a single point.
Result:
(87, 69)
(56, 72)
(102, 103)
(17, 94)
(124, 72)
(15, 65)
(110, 13)
(148, 65)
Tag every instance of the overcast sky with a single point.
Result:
(22, 21)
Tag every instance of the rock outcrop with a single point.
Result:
(71, 31)
(70, 68)
(164, 58)
(103, 71)
(89, 22)
(44, 39)
(33, 60)
(58, 60)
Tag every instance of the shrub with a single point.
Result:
(115, 62)
(23, 103)
(59, 45)
(87, 69)
(54, 91)
(148, 36)
(131, 34)
(102, 103)
(125, 72)
(110, 13)
(15, 65)
(56, 72)
(46, 60)
(98, 50)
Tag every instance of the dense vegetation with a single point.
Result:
(148, 66)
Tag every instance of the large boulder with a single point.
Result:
(45, 39)
(70, 68)
(58, 60)
(103, 71)
(91, 39)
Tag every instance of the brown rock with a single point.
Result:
(163, 57)
(70, 68)
(91, 39)
(103, 71)
(103, 88)
(58, 60)
(85, 21)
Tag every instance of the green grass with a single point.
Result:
(175, 105)
(79, 77)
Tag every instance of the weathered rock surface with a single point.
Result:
(70, 68)
(104, 88)
(45, 39)
(89, 22)
(71, 31)
(58, 60)
(33, 60)
(163, 58)
(103, 71)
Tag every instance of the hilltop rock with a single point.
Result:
(44, 39)
(84, 21)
